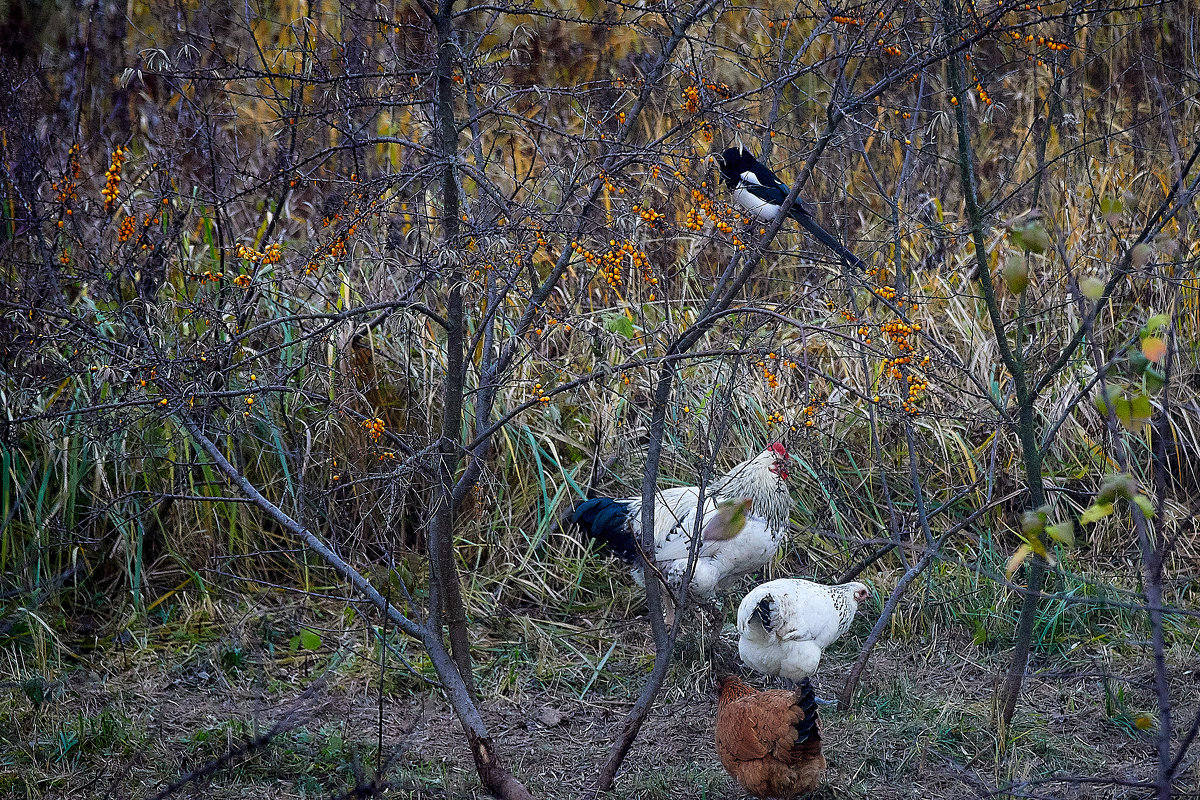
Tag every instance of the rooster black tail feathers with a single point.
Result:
(604, 520)
(762, 612)
(808, 728)
(825, 237)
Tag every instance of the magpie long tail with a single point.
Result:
(826, 238)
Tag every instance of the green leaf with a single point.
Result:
(1031, 236)
(1111, 205)
(1116, 485)
(309, 639)
(619, 323)
(1137, 361)
(1145, 504)
(1106, 396)
(1123, 410)
(1063, 533)
(1140, 411)
(1153, 378)
(1156, 324)
(1016, 274)
(1095, 513)
(1092, 287)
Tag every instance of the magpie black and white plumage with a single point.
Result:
(759, 192)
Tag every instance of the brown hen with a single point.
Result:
(770, 742)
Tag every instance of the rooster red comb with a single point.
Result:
(778, 449)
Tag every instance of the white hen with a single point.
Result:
(786, 624)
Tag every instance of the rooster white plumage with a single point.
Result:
(729, 548)
(786, 624)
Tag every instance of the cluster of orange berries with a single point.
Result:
(885, 292)
(1049, 44)
(271, 255)
(690, 98)
(209, 275)
(242, 281)
(65, 258)
(898, 332)
(648, 214)
(891, 366)
(337, 248)
(388, 454)
(865, 332)
(146, 223)
(694, 220)
(550, 323)
(983, 95)
(891, 50)
(540, 394)
(374, 427)
(810, 411)
(65, 187)
(915, 387)
(128, 226)
(608, 184)
(768, 370)
(612, 262)
(112, 177)
(719, 217)
(847, 20)
(775, 418)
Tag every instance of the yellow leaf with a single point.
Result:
(1017, 559)
(1143, 722)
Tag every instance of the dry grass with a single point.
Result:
(157, 631)
(921, 726)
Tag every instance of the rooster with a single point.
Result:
(786, 624)
(770, 742)
(745, 516)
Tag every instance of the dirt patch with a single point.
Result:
(921, 726)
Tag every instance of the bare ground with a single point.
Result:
(921, 726)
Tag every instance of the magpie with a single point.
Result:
(760, 193)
